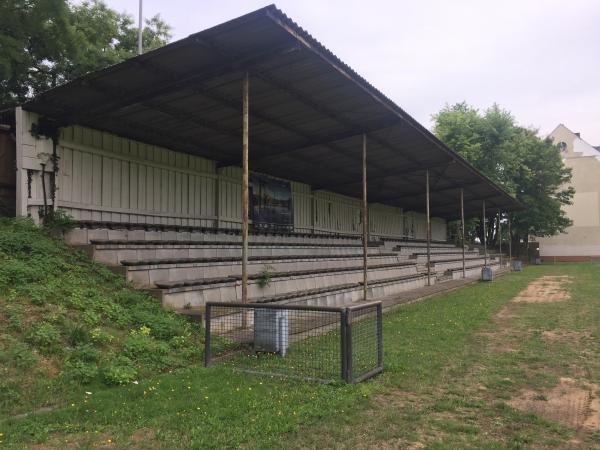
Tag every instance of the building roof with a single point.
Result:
(308, 111)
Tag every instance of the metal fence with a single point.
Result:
(311, 342)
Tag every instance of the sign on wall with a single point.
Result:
(271, 203)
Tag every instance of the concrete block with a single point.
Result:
(77, 236)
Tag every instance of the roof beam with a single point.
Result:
(440, 205)
(328, 112)
(432, 191)
(163, 136)
(406, 171)
(126, 98)
(314, 142)
(281, 85)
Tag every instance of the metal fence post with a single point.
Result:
(207, 336)
(349, 371)
(344, 347)
(380, 335)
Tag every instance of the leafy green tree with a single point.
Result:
(47, 42)
(528, 167)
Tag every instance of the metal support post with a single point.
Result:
(245, 194)
(365, 217)
(428, 229)
(462, 226)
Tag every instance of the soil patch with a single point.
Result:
(567, 403)
(545, 289)
(564, 335)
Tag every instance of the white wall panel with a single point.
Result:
(109, 178)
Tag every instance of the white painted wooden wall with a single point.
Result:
(104, 177)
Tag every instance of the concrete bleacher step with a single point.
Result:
(334, 295)
(443, 278)
(87, 231)
(442, 266)
(472, 271)
(198, 292)
(433, 250)
(116, 251)
(146, 273)
(390, 242)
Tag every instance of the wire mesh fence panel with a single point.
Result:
(365, 328)
(291, 340)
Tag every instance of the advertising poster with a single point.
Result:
(271, 203)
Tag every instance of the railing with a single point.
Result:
(310, 342)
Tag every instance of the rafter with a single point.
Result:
(126, 98)
(432, 191)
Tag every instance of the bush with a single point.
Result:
(14, 318)
(141, 347)
(119, 371)
(16, 354)
(10, 393)
(164, 326)
(45, 336)
(85, 353)
(99, 336)
(80, 371)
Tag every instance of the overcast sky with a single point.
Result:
(540, 59)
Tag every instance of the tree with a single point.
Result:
(48, 42)
(516, 158)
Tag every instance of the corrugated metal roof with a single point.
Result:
(307, 113)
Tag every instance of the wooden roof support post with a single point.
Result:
(365, 229)
(484, 236)
(462, 233)
(428, 228)
(500, 236)
(245, 180)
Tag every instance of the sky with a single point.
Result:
(539, 59)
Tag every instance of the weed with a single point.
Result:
(120, 371)
(57, 222)
(265, 276)
(77, 334)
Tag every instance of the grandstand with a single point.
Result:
(248, 163)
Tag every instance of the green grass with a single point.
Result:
(443, 386)
(67, 323)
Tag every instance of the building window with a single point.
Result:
(563, 147)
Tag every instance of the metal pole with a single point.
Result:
(245, 199)
(140, 29)
(462, 226)
(380, 335)
(207, 352)
(365, 217)
(484, 237)
(343, 344)
(500, 236)
(509, 244)
(428, 229)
